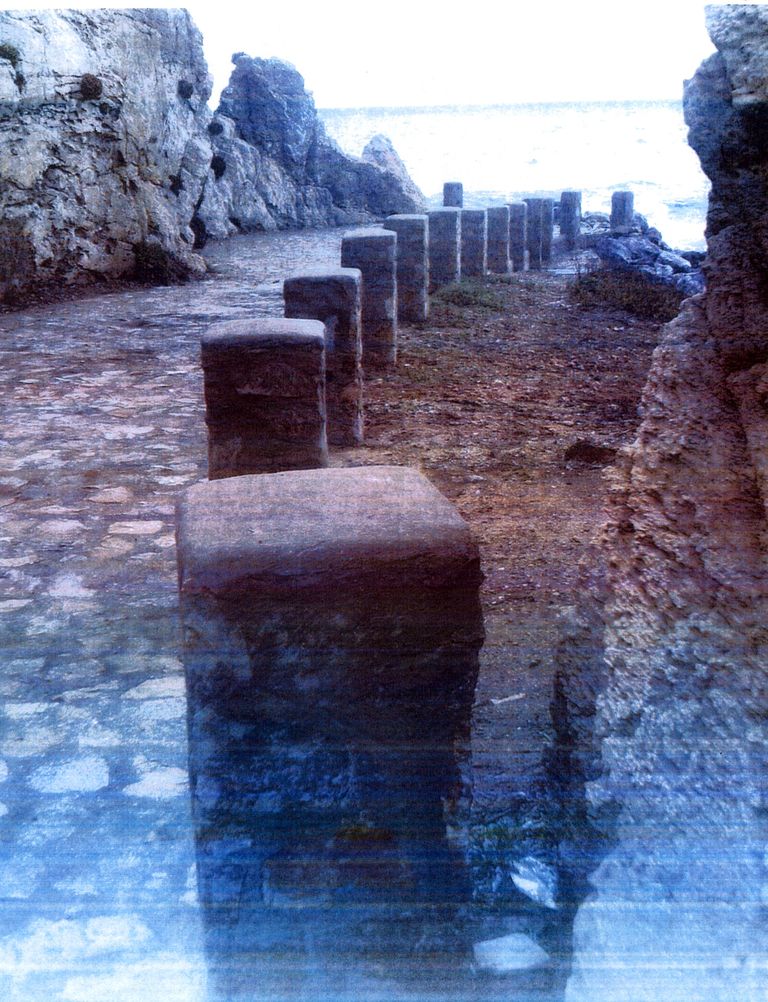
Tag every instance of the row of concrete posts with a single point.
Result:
(310, 728)
(305, 716)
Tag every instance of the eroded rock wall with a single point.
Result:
(663, 700)
(108, 144)
(276, 166)
(102, 121)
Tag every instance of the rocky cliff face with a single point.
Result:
(275, 166)
(102, 115)
(663, 699)
(110, 158)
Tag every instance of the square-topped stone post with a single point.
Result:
(547, 228)
(498, 239)
(412, 265)
(331, 630)
(570, 218)
(444, 247)
(374, 253)
(453, 194)
(334, 295)
(264, 386)
(534, 242)
(473, 243)
(622, 212)
(518, 235)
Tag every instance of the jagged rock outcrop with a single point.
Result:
(663, 690)
(275, 166)
(104, 146)
(110, 161)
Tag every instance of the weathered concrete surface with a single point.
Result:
(622, 211)
(332, 627)
(86, 175)
(334, 295)
(453, 194)
(665, 697)
(498, 239)
(374, 253)
(547, 228)
(534, 237)
(570, 217)
(412, 265)
(474, 233)
(444, 247)
(264, 385)
(518, 235)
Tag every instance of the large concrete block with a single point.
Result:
(534, 240)
(547, 228)
(498, 239)
(374, 253)
(570, 217)
(264, 384)
(473, 243)
(334, 295)
(444, 247)
(332, 627)
(412, 265)
(622, 211)
(453, 194)
(518, 235)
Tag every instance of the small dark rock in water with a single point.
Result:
(584, 451)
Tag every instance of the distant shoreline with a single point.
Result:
(437, 108)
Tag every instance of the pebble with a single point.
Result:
(159, 784)
(81, 775)
(157, 688)
(148, 528)
(514, 952)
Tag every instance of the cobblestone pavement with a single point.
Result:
(103, 424)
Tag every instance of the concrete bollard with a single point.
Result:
(412, 265)
(331, 629)
(498, 239)
(547, 228)
(474, 234)
(518, 235)
(534, 242)
(334, 296)
(444, 247)
(570, 218)
(453, 194)
(374, 252)
(622, 211)
(264, 385)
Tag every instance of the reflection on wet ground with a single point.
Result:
(103, 426)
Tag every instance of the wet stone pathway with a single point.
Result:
(103, 425)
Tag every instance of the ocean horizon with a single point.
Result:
(503, 151)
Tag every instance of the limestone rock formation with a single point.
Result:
(103, 116)
(275, 166)
(111, 162)
(663, 695)
(380, 152)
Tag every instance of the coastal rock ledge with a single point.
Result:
(663, 689)
(112, 164)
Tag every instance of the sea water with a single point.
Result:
(502, 152)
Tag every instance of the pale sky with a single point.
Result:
(354, 53)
